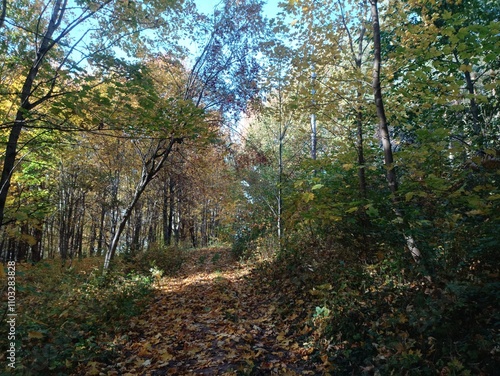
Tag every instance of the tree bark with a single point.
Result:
(361, 156)
(383, 128)
(36, 249)
(379, 103)
(168, 210)
(100, 237)
(135, 243)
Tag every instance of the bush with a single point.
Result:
(246, 241)
(392, 326)
(167, 259)
(69, 316)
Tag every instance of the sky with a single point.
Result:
(270, 8)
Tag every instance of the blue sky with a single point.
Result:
(270, 8)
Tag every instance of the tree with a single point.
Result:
(383, 128)
(160, 121)
(444, 150)
(279, 60)
(228, 52)
(55, 60)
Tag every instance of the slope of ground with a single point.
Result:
(215, 318)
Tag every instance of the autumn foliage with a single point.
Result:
(192, 192)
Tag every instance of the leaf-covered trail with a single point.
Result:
(215, 318)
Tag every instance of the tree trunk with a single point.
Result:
(36, 249)
(136, 232)
(383, 128)
(79, 230)
(49, 236)
(168, 211)
(100, 237)
(314, 135)
(3, 13)
(150, 169)
(10, 160)
(379, 103)
(93, 237)
(360, 151)
(279, 223)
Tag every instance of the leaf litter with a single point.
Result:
(216, 317)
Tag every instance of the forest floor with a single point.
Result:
(217, 316)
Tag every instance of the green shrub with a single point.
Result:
(165, 258)
(409, 328)
(70, 316)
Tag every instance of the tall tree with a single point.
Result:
(383, 127)
(52, 58)
(221, 83)
(160, 121)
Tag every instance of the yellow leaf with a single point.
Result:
(324, 358)
(315, 292)
(166, 356)
(93, 371)
(281, 337)
(476, 212)
(308, 196)
(31, 240)
(34, 334)
(145, 350)
(326, 286)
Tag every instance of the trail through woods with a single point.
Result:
(217, 317)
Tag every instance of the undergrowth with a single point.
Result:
(386, 318)
(71, 315)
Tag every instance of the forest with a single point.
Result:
(250, 187)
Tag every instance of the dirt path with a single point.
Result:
(216, 318)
